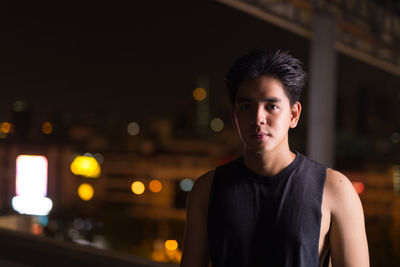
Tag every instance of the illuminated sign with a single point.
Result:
(31, 186)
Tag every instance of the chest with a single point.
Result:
(286, 209)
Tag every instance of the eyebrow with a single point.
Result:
(269, 99)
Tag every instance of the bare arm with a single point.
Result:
(348, 240)
(195, 244)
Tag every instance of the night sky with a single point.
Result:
(137, 59)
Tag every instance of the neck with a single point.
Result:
(268, 163)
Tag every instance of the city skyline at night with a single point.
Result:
(128, 104)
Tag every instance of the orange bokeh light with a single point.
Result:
(37, 229)
(171, 244)
(359, 187)
(199, 94)
(155, 186)
(47, 128)
(5, 127)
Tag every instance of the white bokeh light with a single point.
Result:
(133, 128)
(31, 186)
(186, 184)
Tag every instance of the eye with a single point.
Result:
(272, 107)
(244, 106)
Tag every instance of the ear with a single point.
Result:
(295, 110)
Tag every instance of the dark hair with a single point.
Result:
(279, 65)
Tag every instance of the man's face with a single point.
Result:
(263, 115)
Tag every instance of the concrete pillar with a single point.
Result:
(322, 95)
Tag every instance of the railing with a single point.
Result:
(24, 250)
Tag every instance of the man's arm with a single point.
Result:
(195, 244)
(348, 240)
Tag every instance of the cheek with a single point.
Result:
(285, 121)
(280, 121)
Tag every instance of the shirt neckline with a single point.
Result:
(274, 178)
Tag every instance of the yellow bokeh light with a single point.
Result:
(199, 94)
(47, 127)
(86, 166)
(5, 127)
(155, 186)
(85, 192)
(171, 244)
(137, 188)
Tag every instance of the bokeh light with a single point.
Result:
(155, 186)
(31, 185)
(133, 128)
(199, 94)
(32, 205)
(85, 191)
(86, 166)
(37, 229)
(31, 176)
(217, 124)
(395, 138)
(5, 127)
(47, 127)
(137, 188)
(19, 105)
(359, 187)
(186, 184)
(171, 245)
(43, 220)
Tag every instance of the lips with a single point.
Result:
(260, 135)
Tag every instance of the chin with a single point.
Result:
(259, 149)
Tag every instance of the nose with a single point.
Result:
(259, 116)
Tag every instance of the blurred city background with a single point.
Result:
(109, 111)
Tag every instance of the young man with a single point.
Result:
(272, 207)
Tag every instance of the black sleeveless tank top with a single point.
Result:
(256, 221)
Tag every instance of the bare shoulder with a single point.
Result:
(347, 237)
(339, 190)
(337, 181)
(198, 196)
(195, 248)
(202, 186)
(204, 182)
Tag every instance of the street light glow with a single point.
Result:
(137, 188)
(86, 166)
(85, 192)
